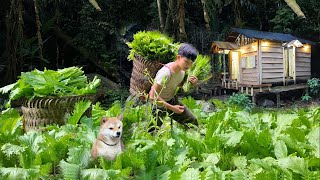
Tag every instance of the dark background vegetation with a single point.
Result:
(73, 32)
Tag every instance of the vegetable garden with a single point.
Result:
(229, 144)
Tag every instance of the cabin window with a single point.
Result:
(248, 62)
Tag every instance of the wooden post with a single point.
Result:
(224, 66)
(253, 100)
(278, 99)
(251, 90)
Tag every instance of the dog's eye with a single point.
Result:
(119, 127)
(110, 128)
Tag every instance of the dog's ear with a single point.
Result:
(103, 120)
(120, 117)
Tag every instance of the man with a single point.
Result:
(168, 78)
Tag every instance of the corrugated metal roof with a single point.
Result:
(269, 35)
(220, 45)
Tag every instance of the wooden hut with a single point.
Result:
(266, 59)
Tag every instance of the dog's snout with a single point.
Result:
(118, 133)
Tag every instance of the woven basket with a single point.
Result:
(139, 83)
(40, 112)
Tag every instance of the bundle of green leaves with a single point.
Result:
(153, 46)
(201, 69)
(63, 82)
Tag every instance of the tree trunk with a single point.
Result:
(14, 37)
(206, 15)
(161, 14)
(169, 26)
(181, 31)
(237, 11)
(38, 23)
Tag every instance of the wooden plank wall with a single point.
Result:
(271, 62)
(303, 63)
(249, 75)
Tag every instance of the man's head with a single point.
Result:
(186, 55)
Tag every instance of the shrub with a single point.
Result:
(240, 100)
(314, 86)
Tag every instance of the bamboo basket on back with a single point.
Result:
(139, 82)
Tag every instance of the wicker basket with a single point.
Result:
(38, 113)
(139, 83)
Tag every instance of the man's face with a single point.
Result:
(185, 63)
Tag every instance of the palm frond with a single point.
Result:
(295, 7)
(95, 4)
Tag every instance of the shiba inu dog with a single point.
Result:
(108, 143)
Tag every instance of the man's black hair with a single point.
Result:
(188, 51)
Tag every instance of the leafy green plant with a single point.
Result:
(240, 100)
(306, 98)
(234, 144)
(201, 68)
(314, 86)
(153, 46)
(67, 81)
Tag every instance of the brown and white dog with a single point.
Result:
(108, 143)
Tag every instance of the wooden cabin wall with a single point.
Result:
(303, 63)
(271, 62)
(250, 75)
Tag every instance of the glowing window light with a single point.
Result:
(265, 43)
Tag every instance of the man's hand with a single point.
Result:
(178, 109)
(193, 80)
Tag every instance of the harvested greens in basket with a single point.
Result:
(201, 68)
(63, 82)
(153, 46)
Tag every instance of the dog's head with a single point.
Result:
(111, 127)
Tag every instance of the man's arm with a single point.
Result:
(154, 96)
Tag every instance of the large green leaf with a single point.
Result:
(99, 174)
(314, 139)
(296, 164)
(79, 155)
(18, 173)
(79, 109)
(280, 149)
(70, 171)
(233, 138)
(9, 121)
(191, 174)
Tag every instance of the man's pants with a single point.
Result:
(185, 117)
